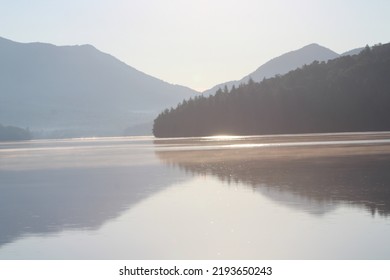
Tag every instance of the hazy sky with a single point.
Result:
(197, 43)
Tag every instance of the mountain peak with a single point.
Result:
(317, 47)
(313, 45)
(282, 64)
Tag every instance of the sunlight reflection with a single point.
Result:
(224, 137)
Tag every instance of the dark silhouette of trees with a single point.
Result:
(350, 93)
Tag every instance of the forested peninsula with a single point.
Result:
(349, 93)
(13, 133)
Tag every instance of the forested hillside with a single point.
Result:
(12, 133)
(283, 64)
(350, 93)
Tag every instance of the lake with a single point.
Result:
(313, 196)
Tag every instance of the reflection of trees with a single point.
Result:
(358, 176)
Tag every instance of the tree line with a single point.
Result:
(349, 93)
(13, 133)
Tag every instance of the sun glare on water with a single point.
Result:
(223, 137)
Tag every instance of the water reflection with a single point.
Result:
(129, 198)
(349, 168)
(46, 190)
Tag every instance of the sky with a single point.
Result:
(197, 43)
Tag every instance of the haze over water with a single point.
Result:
(261, 197)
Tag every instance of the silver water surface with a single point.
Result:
(268, 197)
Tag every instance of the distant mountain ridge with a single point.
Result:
(77, 90)
(284, 63)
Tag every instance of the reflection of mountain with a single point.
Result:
(316, 177)
(49, 201)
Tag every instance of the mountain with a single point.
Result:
(352, 52)
(62, 91)
(349, 93)
(285, 63)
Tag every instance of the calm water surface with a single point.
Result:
(308, 196)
